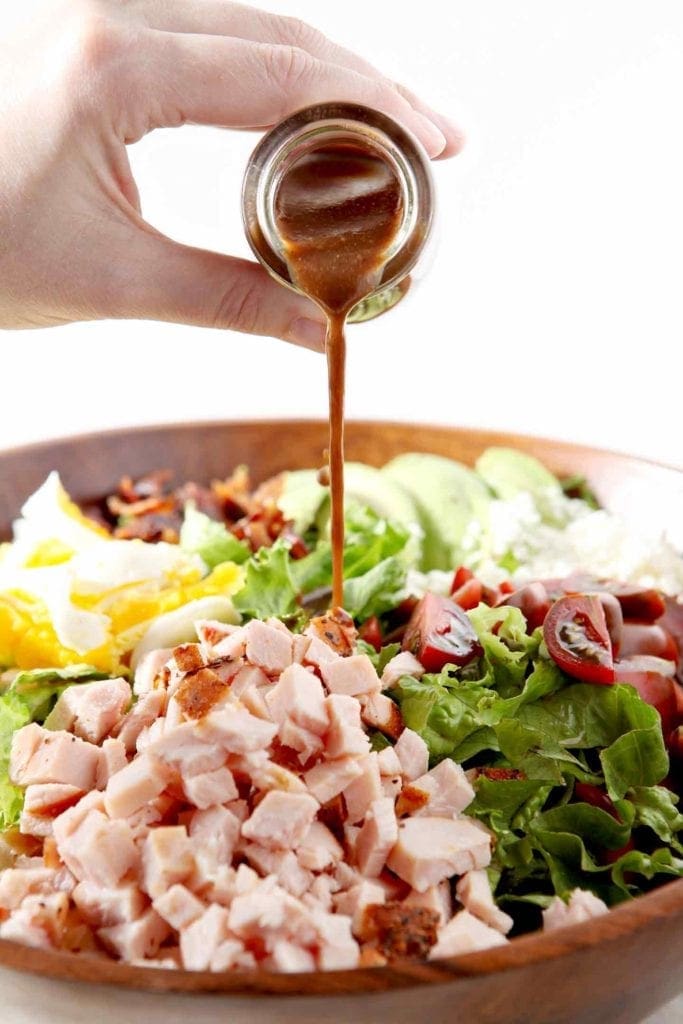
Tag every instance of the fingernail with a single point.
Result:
(309, 333)
(433, 138)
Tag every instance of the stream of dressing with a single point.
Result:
(337, 210)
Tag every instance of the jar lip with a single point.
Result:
(301, 133)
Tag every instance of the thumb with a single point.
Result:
(181, 284)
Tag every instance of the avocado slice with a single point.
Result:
(300, 497)
(508, 472)
(448, 496)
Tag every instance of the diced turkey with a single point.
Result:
(431, 849)
(465, 933)
(413, 753)
(377, 837)
(582, 906)
(354, 675)
(474, 892)
(403, 664)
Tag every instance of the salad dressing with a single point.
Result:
(338, 209)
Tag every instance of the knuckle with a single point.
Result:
(239, 307)
(299, 33)
(288, 67)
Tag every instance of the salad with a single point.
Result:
(204, 766)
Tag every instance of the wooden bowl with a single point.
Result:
(614, 969)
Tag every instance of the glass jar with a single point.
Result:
(319, 125)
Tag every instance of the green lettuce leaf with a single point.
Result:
(269, 589)
(13, 715)
(656, 808)
(212, 541)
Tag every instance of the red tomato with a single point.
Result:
(371, 632)
(596, 797)
(439, 633)
(653, 679)
(648, 638)
(469, 595)
(643, 603)
(533, 602)
(614, 619)
(461, 576)
(576, 635)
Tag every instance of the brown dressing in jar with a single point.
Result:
(338, 209)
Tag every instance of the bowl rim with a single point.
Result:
(536, 947)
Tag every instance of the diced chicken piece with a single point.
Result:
(188, 657)
(44, 911)
(582, 906)
(360, 794)
(17, 883)
(353, 902)
(140, 716)
(248, 677)
(267, 910)
(465, 933)
(20, 927)
(380, 712)
(136, 940)
(268, 647)
(431, 849)
(199, 692)
(156, 812)
(437, 898)
(474, 892)
(317, 653)
(299, 695)
(135, 785)
(210, 788)
(389, 763)
(102, 908)
(112, 760)
(345, 737)
(43, 803)
(403, 664)
(236, 730)
(300, 646)
(441, 793)
(166, 859)
(307, 744)
(413, 753)
(335, 629)
(392, 785)
(51, 799)
(274, 776)
(150, 734)
(229, 954)
(281, 863)
(281, 820)
(318, 849)
(354, 675)
(326, 780)
(39, 756)
(187, 750)
(337, 950)
(149, 673)
(377, 837)
(232, 646)
(91, 710)
(319, 895)
(178, 907)
(210, 632)
(398, 931)
(289, 958)
(98, 850)
(200, 940)
(214, 834)
(254, 701)
(70, 820)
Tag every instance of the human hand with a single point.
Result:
(97, 75)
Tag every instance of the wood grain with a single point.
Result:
(614, 969)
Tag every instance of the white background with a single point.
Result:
(554, 302)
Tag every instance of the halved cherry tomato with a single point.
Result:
(653, 679)
(461, 576)
(439, 633)
(643, 603)
(576, 635)
(615, 620)
(648, 638)
(586, 793)
(469, 595)
(533, 602)
(371, 632)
